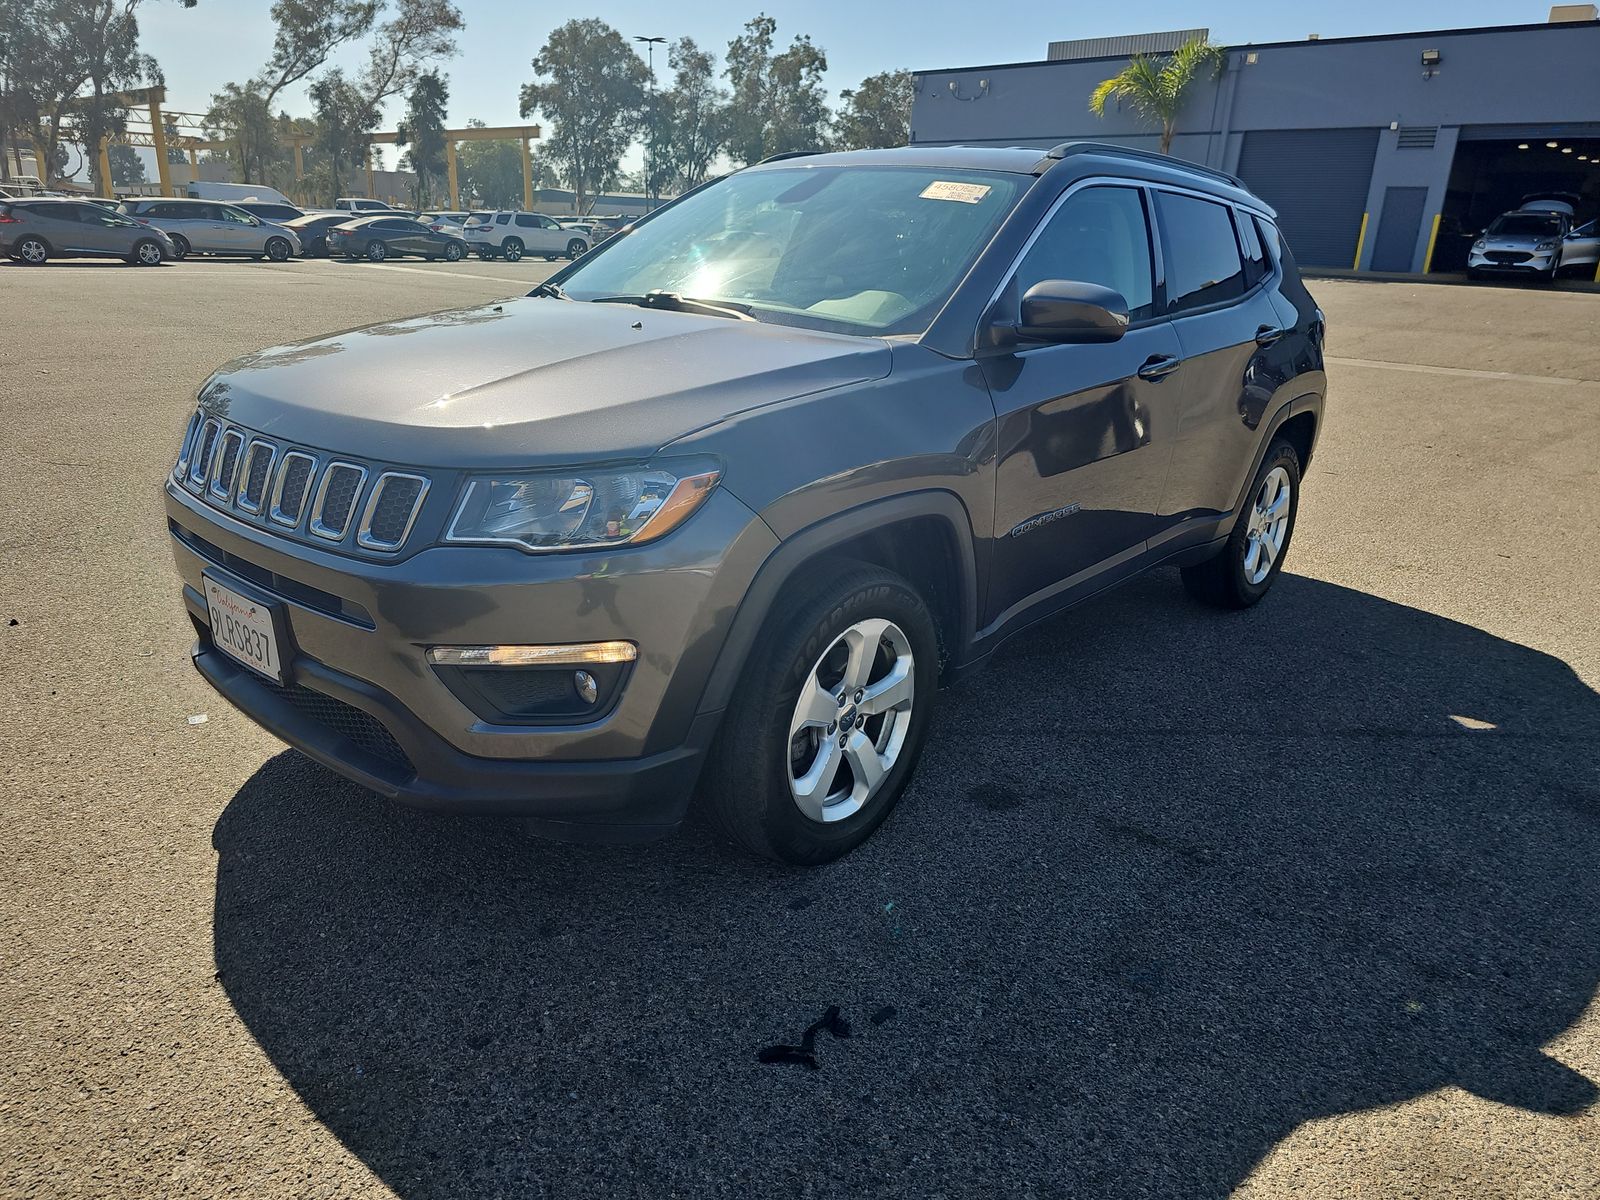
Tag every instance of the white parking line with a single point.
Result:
(1459, 372)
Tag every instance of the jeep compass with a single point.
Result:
(715, 511)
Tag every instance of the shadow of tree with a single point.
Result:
(1167, 886)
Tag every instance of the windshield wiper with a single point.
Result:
(552, 290)
(676, 303)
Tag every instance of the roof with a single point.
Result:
(1021, 160)
(1297, 42)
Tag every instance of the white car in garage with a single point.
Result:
(510, 235)
(1538, 238)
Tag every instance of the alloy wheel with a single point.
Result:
(32, 252)
(851, 719)
(149, 254)
(1268, 525)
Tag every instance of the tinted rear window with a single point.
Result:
(1202, 254)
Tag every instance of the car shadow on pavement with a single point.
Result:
(1169, 883)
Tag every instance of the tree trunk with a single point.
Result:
(1168, 128)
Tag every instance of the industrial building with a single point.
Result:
(1384, 153)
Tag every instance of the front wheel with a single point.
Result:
(377, 251)
(452, 253)
(824, 731)
(1244, 569)
(278, 249)
(146, 253)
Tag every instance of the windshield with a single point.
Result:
(1526, 225)
(871, 250)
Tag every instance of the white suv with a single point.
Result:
(513, 234)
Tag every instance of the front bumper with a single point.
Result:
(1530, 262)
(357, 634)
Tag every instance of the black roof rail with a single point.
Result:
(1068, 149)
(786, 154)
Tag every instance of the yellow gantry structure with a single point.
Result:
(187, 132)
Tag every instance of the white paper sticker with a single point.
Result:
(962, 193)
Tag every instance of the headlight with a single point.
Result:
(576, 510)
(1544, 246)
(1480, 244)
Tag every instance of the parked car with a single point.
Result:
(1540, 238)
(361, 204)
(278, 214)
(443, 223)
(605, 227)
(678, 517)
(207, 227)
(36, 229)
(378, 238)
(312, 231)
(234, 193)
(510, 235)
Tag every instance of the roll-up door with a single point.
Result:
(1317, 179)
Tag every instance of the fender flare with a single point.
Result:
(807, 544)
(1311, 403)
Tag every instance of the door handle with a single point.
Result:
(1159, 366)
(1268, 334)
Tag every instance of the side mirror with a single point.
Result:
(1067, 311)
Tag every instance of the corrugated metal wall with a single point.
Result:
(1138, 43)
(1317, 179)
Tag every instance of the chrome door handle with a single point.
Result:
(1268, 334)
(1159, 366)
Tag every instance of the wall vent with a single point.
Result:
(1417, 137)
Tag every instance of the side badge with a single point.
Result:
(1045, 518)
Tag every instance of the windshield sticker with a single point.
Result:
(961, 193)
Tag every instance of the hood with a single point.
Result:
(530, 382)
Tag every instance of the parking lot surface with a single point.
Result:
(1300, 901)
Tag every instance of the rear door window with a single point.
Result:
(527, 221)
(1201, 252)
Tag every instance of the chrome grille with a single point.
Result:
(336, 499)
(392, 507)
(299, 491)
(294, 483)
(227, 464)
(257, 470)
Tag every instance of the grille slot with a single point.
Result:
(257, 471)
(294, 483)
(193, 428)
(336, 499)
(396, 499)
(227, 464)
(200, 461)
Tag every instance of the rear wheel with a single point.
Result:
(576, 247)
(512, 250)
(146, 253)
(1245, 568)
(180, 247)
(452, 253)
(33, 251)
(377, 251)
(278, 249)
(823, 733)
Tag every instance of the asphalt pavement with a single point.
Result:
(1298, 902)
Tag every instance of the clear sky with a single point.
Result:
(201, 49)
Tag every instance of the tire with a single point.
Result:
(512, 249)
(1232, 577)
(32, 251)
(751, 787)
(486, 255)
(377, 251)
(576, 247)
(452, 253)
(180, 247)
(146, 253)
(278, 249)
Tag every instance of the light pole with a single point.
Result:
(650, 44)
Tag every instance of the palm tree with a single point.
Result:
(1156, 89)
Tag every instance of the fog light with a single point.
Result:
(588, 689)
(570, 654)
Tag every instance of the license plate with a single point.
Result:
(244, 630)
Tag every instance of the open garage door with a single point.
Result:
(1317, 179)
(1492, 174)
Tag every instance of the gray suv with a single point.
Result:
(719, 508)
(34, 231)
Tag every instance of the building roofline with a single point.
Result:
(1297, 42)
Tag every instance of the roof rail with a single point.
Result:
(1068, 149)
(787, 154)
